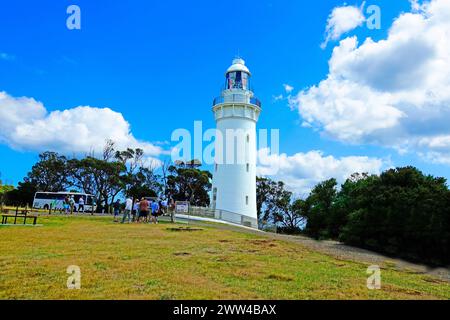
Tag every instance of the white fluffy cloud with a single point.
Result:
(302, 171)
(27, 125)
(393, 92)
(288, 88)
(342, 20)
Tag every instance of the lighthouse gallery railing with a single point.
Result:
(237, 98)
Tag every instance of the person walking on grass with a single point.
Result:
(143, 210)
(128, 209)
(163, 206)
(81, 204)
(171, 209)
(155, 211)
(72, 204)
(135, 213)
(116, 207)
(66, 205)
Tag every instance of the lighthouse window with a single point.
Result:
(248, 167)
(237, 80)
(244, 80)
(248, 138)
(216, 167)
(246, 200)
(231, 79)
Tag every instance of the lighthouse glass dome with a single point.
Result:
(237, 75)
(237, 80)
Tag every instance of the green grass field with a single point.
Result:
(154, 262)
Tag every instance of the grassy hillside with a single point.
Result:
(155, 262)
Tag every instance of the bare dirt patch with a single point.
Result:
(186, 229)
(181, 254)
(279, 277)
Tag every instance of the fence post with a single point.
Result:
(17, 212)
(172, 215)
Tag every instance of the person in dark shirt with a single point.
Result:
(116, 207)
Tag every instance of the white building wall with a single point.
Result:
(235, 180)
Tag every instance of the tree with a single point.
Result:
(50, 172)
(101, 178)
(4, 189)
(138, 177)
(144, 183)
(105, 179)
(22, 195)
(274, 200)
(294, 219)
(263, 189)
(402, 212)
(318, 209)
(165, 173)
(186, 182)
(274, 206)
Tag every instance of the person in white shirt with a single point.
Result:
(135, 212)
(72, 204)
(128, 208)
(81, 204)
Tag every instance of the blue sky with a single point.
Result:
(160, 64)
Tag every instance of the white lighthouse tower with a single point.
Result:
(236, 113)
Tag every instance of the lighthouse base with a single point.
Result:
(222, 215)
(236, 218)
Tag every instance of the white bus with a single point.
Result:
(55, 201)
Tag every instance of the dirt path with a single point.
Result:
(341, 251)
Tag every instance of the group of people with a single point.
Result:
(69, 204)
(141, 211)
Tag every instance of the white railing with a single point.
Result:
(223, 215)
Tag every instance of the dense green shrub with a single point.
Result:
(402, 212)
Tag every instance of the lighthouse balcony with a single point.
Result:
(237, 98)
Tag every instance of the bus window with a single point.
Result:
(40, 195)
